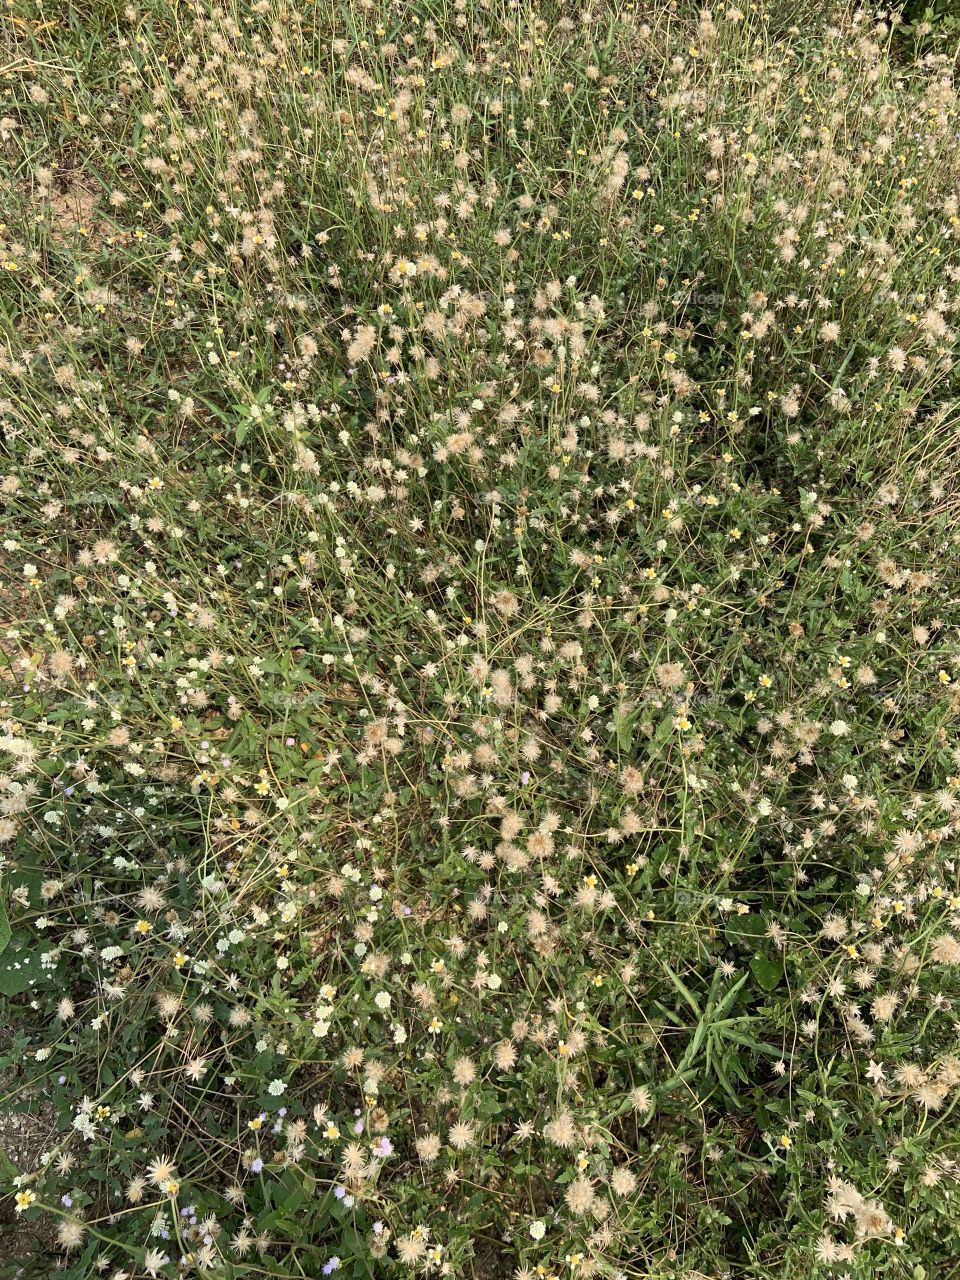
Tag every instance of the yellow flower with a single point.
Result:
(24, 1199)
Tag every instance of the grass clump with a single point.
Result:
(480, 527)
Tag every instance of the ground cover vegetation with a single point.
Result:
(479, 755)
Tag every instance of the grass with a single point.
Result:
(479, 719)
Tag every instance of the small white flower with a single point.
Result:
(538, 1229)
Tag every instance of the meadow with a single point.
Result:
(479, 641)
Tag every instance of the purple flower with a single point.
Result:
(525, 777)
(66, 1201)
(332, 1265)
(256, 1166)
(384, 1147)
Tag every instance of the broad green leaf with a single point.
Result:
(769, 973)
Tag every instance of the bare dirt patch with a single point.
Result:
(73, 208)
(24, 1136)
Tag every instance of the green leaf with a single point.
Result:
(624, 727)
(4, 929)
(768, 973)
(746, 928)
(664, 733)
(19, 970)
(684, 991)
(8, 1170)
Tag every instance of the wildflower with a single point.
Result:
(410, 1249)
(580, 1196)
(154, 1260)
(160, 1171)
(70, 1233)
(428, 1148)
(23, 1200)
